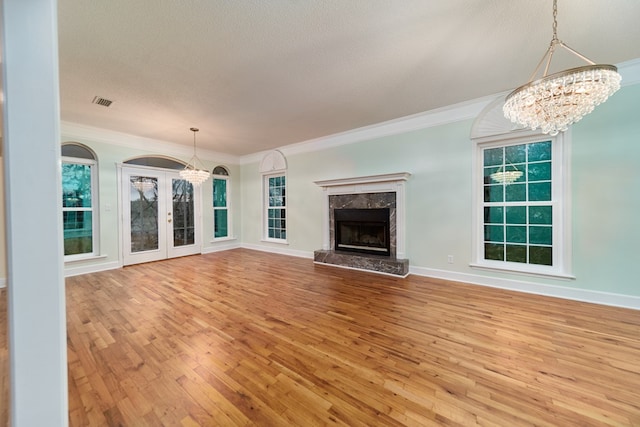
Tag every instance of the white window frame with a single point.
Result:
(560, 202)
(266, 207)
(226, 208)
(95, 212)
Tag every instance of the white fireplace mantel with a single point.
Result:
(386, 183)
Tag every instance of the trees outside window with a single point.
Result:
(79, 213)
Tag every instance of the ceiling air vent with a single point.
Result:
(101, 101)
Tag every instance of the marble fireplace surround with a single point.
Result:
(366, 192)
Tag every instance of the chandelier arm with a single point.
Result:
(535, 72)
(576, 53)
(552, 49)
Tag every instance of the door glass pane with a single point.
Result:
(183, 213)
(144, 213)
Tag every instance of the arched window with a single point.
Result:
(521, 193)
(156, 162)
(220, 170)
(221, 203)
(274, 168)
(79, 201)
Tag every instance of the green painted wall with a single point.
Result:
(605, 196)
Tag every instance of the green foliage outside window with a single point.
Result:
(77, 215)
(276, 214)
(220, 209)
(518, 224)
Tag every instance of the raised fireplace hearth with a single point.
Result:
(364, 224)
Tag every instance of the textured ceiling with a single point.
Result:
(255, 75)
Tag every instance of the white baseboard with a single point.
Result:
(584, 295)
(278, 250)
(93, 268)
(219, 247)
(3, 282)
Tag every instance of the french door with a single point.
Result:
(160, 214)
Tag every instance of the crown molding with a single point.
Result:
(629, 70)
(437, 117)
(75, 131)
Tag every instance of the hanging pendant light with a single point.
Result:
(143, 184)
(504, 176)
(554, 102)
(194, 172)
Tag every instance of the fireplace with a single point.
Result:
(363, 230)
(364, 224)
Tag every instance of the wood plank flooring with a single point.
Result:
(4, 360)
(245, 338)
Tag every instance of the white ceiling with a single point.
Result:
(256, 75)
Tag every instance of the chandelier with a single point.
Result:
(554, 102)
(194, 172)
(504, 176)
(143, 184)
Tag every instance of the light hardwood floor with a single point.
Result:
(4, 361)
(248, 338)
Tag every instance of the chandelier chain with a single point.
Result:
(555, 21)
(194, 130)
(554, 102)
(192, 171)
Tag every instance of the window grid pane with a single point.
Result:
(77, 208)
(219, 193)
(518, 216)
(276, 212)
(220, 224)
(220, 208)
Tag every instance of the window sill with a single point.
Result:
(222, 239)
(278, 241)
(508, 269)
(75, 258)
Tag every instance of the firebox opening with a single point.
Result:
(363, 230)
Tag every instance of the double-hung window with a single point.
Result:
(276, 207)
(221, 220)
(520, 215)
(79, 212)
